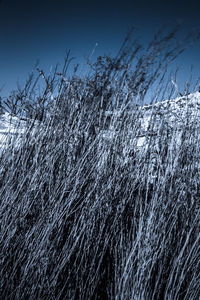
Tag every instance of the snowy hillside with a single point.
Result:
(175, 112)
(170, 114)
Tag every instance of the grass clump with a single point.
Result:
(86, 213)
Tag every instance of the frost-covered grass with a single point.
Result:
(86, 214)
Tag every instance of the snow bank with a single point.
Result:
(174, 113)
(10, 127)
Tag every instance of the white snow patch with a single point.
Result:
(175, 112)
(10, 127)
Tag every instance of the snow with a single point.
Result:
(10, 126)
(171, 113)
(174, 113)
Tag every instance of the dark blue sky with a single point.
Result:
(45, 29)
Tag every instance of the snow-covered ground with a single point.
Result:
(170, 114)
(10, 127)
(174, 113)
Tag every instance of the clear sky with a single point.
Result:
(45, 29)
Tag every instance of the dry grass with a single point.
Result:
(82, 217)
